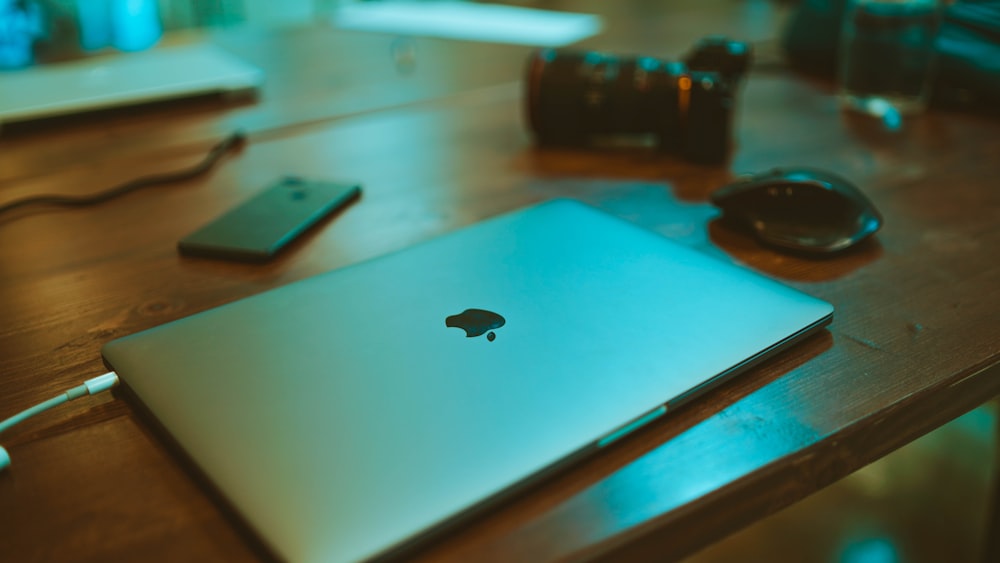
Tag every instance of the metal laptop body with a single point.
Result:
(341, 416)
(101, 82)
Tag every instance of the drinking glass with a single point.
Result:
(887, 55)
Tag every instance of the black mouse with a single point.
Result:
(800, 209)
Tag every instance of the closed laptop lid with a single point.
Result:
(101, 82)
(341, 415)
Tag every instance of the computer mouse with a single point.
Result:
(800, 209)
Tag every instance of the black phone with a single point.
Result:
(260, 227)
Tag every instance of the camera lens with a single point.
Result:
(575, 98)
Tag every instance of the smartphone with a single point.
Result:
(259, 228)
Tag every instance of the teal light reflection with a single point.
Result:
(469, 21)
(691, 465)
(128, 25)
(20, 25)
(869, 550)
(882, 109)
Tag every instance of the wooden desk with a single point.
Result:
(915, 341)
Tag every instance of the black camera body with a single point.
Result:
(575, 97)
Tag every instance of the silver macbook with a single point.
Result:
(347, 415)
(101, 82)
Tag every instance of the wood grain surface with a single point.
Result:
(915, 340)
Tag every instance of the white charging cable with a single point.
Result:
(89, 387)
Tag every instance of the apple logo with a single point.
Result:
(475, 322)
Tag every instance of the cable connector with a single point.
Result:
(101, 383)
(92, 386)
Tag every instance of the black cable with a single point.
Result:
(234, 140)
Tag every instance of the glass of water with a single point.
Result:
(887, 55)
